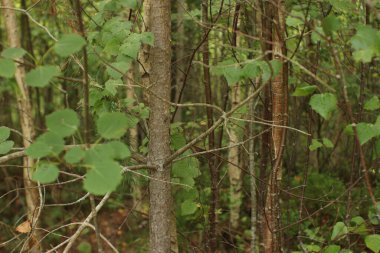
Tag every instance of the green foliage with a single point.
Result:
(74, 155)
(332, 249)
(373, 243)
(324, 104)
(366, 43)
(6, 146)
(13, 53)
(84, 247)
(304, 91)
(104, 176)
(372, 104)
(7, 68)
(188, 207)
(112, 125)
(69, 44)
(47, 144)
(330, 24)
(315, 144)
(5, 132)
(340, 230)
(63, 122)
(45, 173)
(41, 76)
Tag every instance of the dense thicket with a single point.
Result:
(189, 126)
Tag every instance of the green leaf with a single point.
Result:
(367, 131)
(45, 173)
(5, 132)
(104, 177)
(342, 5)
(120, 150)
(147, 38)
(112, 125)
(112, 85)
(41, 76)
(54, 141)
(84, 247)
(132, 4)
(327, 143)
(69, 44)
(46, 144)
(332, 249)
(13, 53)
(188, 207)
(330, 24)
(38, 150)
(373, 243)
(63, 122)
(119, 69)
(74, 155)
(315, 144)
(6, 146)
(358, 226)
(131, 46)
(372, 104)
(7, 68)
(366, 44)
(304, 91)
(323, 104)
(340, 230)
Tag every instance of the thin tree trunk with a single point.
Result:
(156, 61)
(27, 126)
(272, 240)
(213, 167)
(180, 55)
(234, 172)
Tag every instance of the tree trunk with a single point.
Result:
(26, 121)
(234, 171)
(157, 65)
(180, 55)
(272, 238)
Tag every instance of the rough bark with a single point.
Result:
(26, 122)
(156, 61)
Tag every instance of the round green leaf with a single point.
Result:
(69, 44)
(7, 68)
(41, 76)
(13, 53)
(112, 125)
(45, 173)
(120, 150)
(332, 249)
(104, 177)
(6, 146)
(46, 144)
(323, 104)
(188, 207)
(340, 230)
(4, 133)
(373, 243)
(372, 104)
(74, 155)
(63, 123)
(37, 150)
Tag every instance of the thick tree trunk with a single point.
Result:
(157, 64)
(26, 121)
